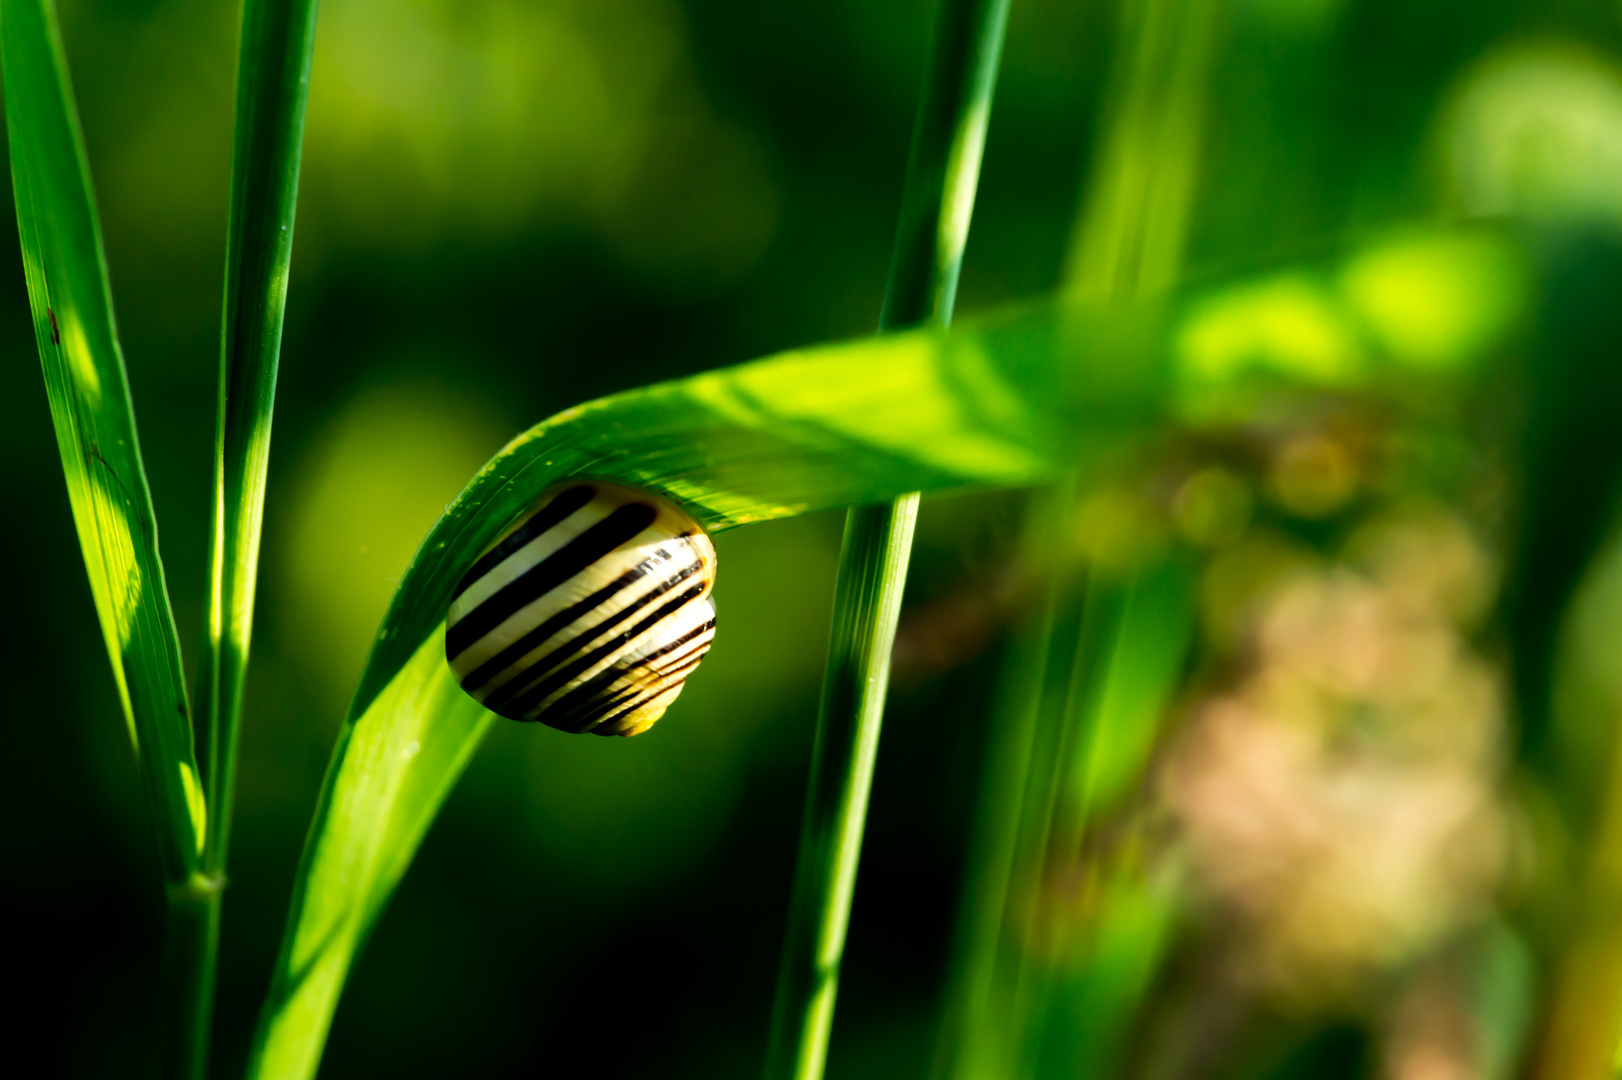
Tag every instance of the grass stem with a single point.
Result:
(943, 172)
(190, 956)
(872, 573)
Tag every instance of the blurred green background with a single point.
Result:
(512, 206)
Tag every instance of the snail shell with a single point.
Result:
(588, 614)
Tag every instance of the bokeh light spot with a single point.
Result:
(1536, 130)
(1438, 301)
(1289, 325)
(1313, 476)
(395, 456)
(1212, 507)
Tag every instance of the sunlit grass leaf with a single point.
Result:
(273, 82)
(95, 421)
(1008, 400)
(391, 771)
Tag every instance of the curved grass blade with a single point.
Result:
(854, 423)
(392, 768)
(94, 419)
(1009, 400)
(943, 171)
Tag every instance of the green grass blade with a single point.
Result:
(867, 604)
(94, 417)
(943, 171)
(272, 86)
(1013, 399)
(391, 771)
(971, 1042)
(95, 423)
(1129, 234)
(1143, 630)
(943, 165)
(1137, 631)
(1127, 243)
(278, 38)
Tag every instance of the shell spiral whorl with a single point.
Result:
(588, 614)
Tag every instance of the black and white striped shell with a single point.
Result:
(588, 614)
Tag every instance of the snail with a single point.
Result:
(588, 613)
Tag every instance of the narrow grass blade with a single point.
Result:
(278, 38)
(1103, 662)
(1014, 399)
(974, 1038)
(1129, 235)
(1140, 632)
(937, 204)
(1127, 244)
(95, 424)
(272, 85)
(1137, 632)
(867, 605)
(94, 417)
(943, 165)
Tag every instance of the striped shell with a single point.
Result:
(588, 614)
